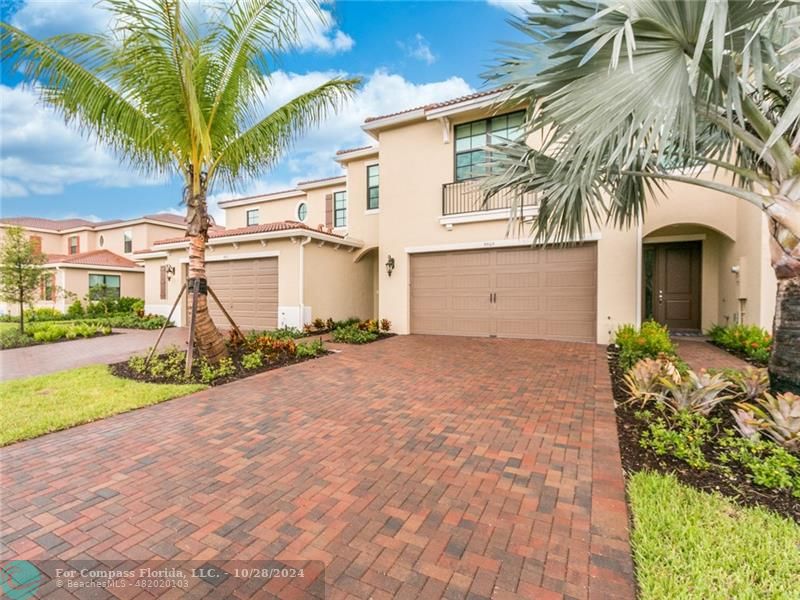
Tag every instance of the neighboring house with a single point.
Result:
(402, 235)
(82, 254)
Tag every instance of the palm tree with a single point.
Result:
(171, 94)
(629, 95)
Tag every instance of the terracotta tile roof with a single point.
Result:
(320, 180)
(104, 258)
(349, 150)
(263, 228)
(167, 218)
(442, 104)
(64, 224)
(52, 224)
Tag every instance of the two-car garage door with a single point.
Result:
(248, 289)
(547, 293)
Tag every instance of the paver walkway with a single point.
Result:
(415, 467)
(49, 358)
(699, 354)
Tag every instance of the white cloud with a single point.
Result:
(41, 154)
(321, 34)
(515, 7)
(317, 31)
(418, 48)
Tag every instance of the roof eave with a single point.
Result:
(311, 185)
(355, 155)
(263, 235)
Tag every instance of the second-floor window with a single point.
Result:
(252, 217)
(472, 139)
(340, 209)
(74, 244)
(36, 244)
(372, 187)
(128, 242)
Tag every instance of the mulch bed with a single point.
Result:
(381, 336)
(739, 355)
(736, 485)
(121, 369)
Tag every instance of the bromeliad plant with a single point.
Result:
(750, 340)
(644, 381)
(777, 417)
(171, 95)
(694, 393)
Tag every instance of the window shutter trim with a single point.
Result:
(329, 211)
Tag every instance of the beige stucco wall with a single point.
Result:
(337, 287)
(143, 234)
(76, 280)
(362, 224)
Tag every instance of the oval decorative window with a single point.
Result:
(101, 241)
(302, 211)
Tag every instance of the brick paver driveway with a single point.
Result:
(49, 358)
(416, 467)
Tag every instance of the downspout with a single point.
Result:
(638, 286)
(301, 282)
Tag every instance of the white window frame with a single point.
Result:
(346, 209)
(297, 211)
(247, 213)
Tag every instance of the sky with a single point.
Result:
(408, 54)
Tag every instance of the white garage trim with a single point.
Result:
(506, 243)
(243, 256)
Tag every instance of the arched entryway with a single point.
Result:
(687, 279)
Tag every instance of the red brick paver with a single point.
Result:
(699, 354)
(415, 467)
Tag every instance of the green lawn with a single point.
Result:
(4, 326)
(693, 545)
(37, 405)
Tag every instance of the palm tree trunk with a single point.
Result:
(210, 343)
(784, 362)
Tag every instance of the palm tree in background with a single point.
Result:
(168, 93)
(629, 95)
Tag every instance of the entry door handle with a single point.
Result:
(492, 297)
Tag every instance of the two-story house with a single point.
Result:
(84, 254)
(402, 234)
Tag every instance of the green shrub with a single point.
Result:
(168, 365)
(127, 304)
(210, 373)
(75, 310)
(309, 349)
(44, 314)
(131, 321)
(769, 465)
(273, 348)
(351, 334)
(282, 333)
(138, 308)
(750, 340)
(12, 338)
(53, 331)
(651, 341)
(252, 360)
(682, 436)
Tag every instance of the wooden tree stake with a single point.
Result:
(164, 328)
(190, 350)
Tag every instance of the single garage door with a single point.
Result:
(248, 289)
(547, 293)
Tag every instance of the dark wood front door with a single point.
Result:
(672, 281)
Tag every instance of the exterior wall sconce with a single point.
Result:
(389, 265)
(170, 270)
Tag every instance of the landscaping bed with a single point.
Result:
(256, 354)
(747, 342)
(732, 481)
(51, 332)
